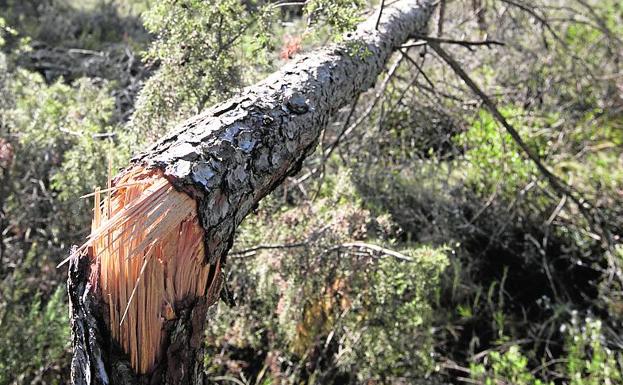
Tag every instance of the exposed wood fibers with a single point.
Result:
(147, 249)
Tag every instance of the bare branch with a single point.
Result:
(378, 20)
(464, 43)
(372, 247)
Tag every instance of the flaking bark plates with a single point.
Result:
(235, 153)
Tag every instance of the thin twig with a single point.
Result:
(346, 130)
(379, 94)
(419, 68)
(538, 17)
(253, 250)
(378, 20)
(464, 43)
(327, 154)
(289, 4)
(369, 246)
(442, 14)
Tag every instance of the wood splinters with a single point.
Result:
(147, 245)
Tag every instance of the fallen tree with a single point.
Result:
(141, 286)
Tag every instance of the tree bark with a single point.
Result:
(228, 158)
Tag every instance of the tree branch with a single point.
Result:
(464, 43)
(378, 20)
(371, 247)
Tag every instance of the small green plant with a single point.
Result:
(67, 127)
(58, 143)
(510, 367)
(587, 360)
(395, 303)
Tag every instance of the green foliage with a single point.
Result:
(57, 142)
(35, 333)
(340, 15)
(508, 367)
(85, 24)
(397, 303)
(195, 49)
(427, 167)
(69, 127)
(581, 35)
(587, 361)
(492, 156)
(597, 137)
(4, 31)
(322, 304)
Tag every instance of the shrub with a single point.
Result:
(323, 310)
(34, 342)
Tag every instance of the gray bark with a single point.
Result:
(228, 158)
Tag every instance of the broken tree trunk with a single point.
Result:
(141, 286)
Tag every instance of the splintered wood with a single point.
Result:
(147, 249)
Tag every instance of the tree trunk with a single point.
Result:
(226, 159)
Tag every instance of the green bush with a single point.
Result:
(327, 311)
(509, 367)
(58, 144)
(34, 342)
(66, 128)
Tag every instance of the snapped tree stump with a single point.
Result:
(141, 286)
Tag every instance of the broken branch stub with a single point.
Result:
(159, 238)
